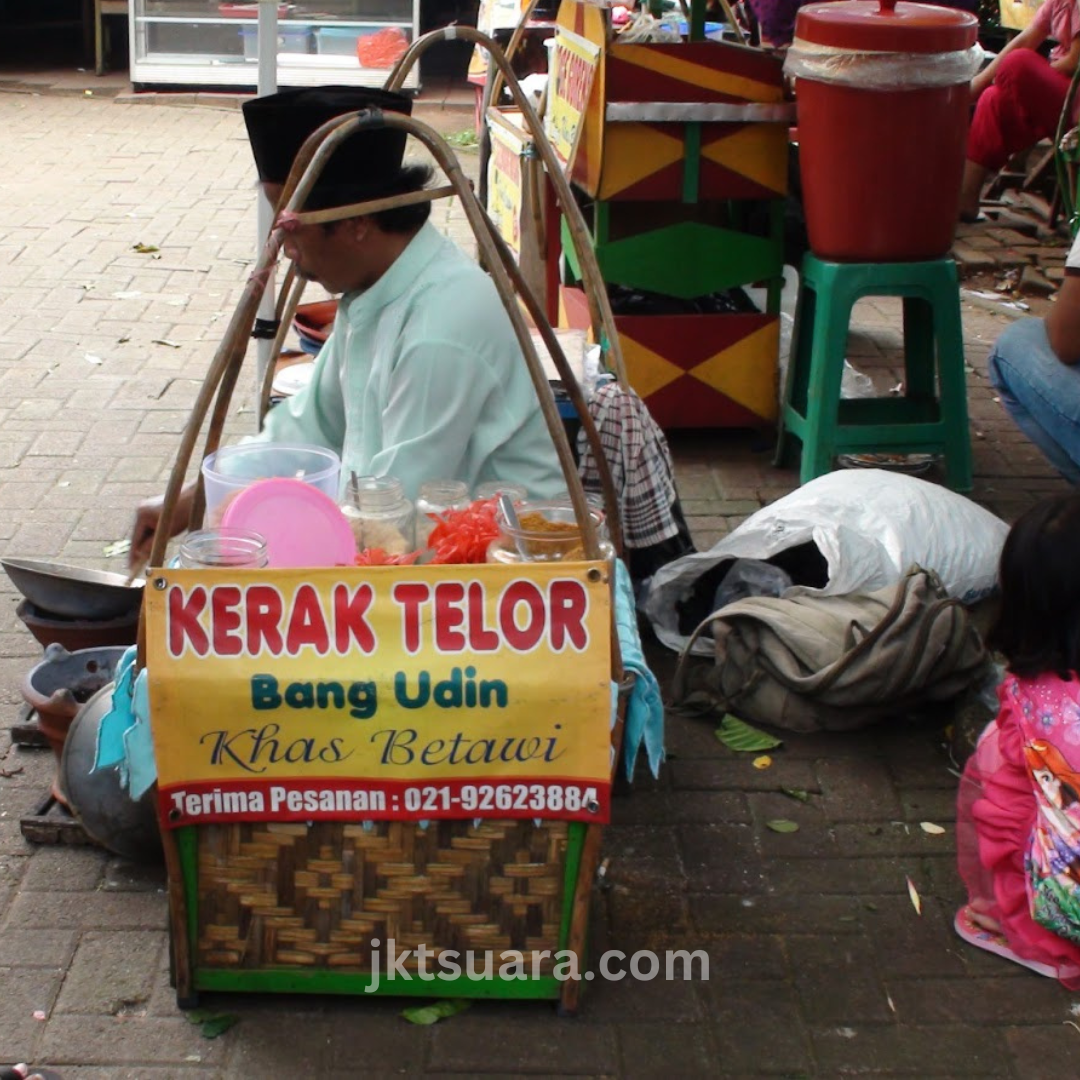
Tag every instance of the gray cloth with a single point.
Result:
(813, 663)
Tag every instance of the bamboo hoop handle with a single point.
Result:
(222, 375)
(570, 382)
(372, 206)
(225, 365)
(286, 285)
(600, 313)
(292, 291)
(490, 252)
(309, 162)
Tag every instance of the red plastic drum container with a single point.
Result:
(883, 109)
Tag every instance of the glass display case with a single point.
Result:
(213, 43)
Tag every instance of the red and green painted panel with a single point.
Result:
(685, 260)
(695, 370)
(703, 370)
(687, 161)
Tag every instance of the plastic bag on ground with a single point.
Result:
(846, 531)
(751, 577)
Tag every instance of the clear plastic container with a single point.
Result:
(380, 515)
(435, 498)
(547, 532)
(223, 549)
(233, 468)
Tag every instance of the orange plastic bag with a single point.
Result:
(383, 49)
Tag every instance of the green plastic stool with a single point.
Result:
(932, 415)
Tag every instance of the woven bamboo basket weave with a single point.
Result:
(274, 895)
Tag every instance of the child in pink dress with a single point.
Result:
(1018, 820)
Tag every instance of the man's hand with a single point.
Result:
(148, 521)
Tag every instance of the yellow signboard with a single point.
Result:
(505, 184)
(381, 693)
(574, 61)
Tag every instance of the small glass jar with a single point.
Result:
(434, 499)
(595, 501)
(223, 549)
(490, 488)
(546, 532)
(380, 515)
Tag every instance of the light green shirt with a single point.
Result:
(423, 378)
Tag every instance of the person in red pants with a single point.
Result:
(1019, 96)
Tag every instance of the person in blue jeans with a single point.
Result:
(1035, 368)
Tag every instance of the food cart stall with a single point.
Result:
(353, 762)
(679, 151)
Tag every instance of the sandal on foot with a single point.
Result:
(981, 938)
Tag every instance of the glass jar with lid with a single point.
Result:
(595, 502)
(490, 488)
(434, 499)
(380, 514)
(223, 549)
(545, 532)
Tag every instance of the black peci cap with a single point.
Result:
(365, 166)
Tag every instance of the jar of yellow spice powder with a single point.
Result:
(545, 532)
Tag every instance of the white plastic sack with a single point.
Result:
(870, 525)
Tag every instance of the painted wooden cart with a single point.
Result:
(286, 892)
(680, 152)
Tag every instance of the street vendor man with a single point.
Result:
(422, 376)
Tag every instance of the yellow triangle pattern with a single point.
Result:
(745, 371)
(756, 151)
(633, 152)
(723, 82)
(647, 371)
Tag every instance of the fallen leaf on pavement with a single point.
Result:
(432, 1014)
(210, 1023)
(782, 825)
(735, 734)
(795, 793)
(916, 900)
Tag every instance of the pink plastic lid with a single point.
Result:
(302, 525)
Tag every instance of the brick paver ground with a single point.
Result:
(820, 965)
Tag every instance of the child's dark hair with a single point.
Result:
(1038, 624)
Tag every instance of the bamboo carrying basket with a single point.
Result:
(299, 907)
